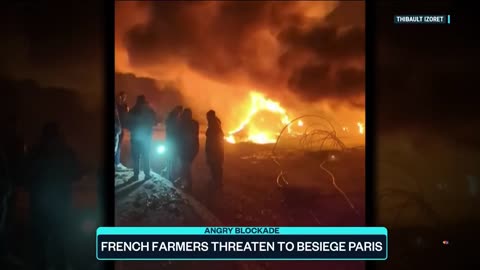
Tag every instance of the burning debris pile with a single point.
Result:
(262, 123)
(266, 120)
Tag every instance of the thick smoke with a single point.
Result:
(160, 94)
(312, 51)
(270, 45)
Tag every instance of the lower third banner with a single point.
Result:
(242, 243)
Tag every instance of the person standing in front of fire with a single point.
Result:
(141, 121)
(172, 135)
(188, 146)
(214, 149)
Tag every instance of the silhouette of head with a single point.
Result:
(141, 100)
(178, 109)
(211, 115)
(50, 132)
(187, 114)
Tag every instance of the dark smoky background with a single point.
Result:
(426, 135)
(214, 53)
(52, 70)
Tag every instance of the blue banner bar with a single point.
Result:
(242, 243)
(242, 230)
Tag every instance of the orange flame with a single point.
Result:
(263, 121)
(361, 128)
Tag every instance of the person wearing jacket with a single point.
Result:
(189, 146)
(52, 169)
(214, 149)
(141, 121)
(172, 135)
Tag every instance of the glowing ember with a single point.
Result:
(361, 129)
(230, 138)
(262, 123)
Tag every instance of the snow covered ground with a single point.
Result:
(156, 202)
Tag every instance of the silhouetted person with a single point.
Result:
(172, 134)
(102, 187)
(123, 109)
(189, 145)
(5, 195)
(12, 156)
(141, 120)
(52, 168)
(214, 148)
(118, 132)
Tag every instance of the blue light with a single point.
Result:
(161, 149)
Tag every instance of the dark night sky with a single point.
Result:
(58, 44)
(426, 119)
(426, 75)
(52, 70)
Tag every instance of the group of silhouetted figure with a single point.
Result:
(46, 170)
(181, 137)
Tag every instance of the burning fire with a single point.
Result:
(264, 120)
(361, 128)
(262, 123)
